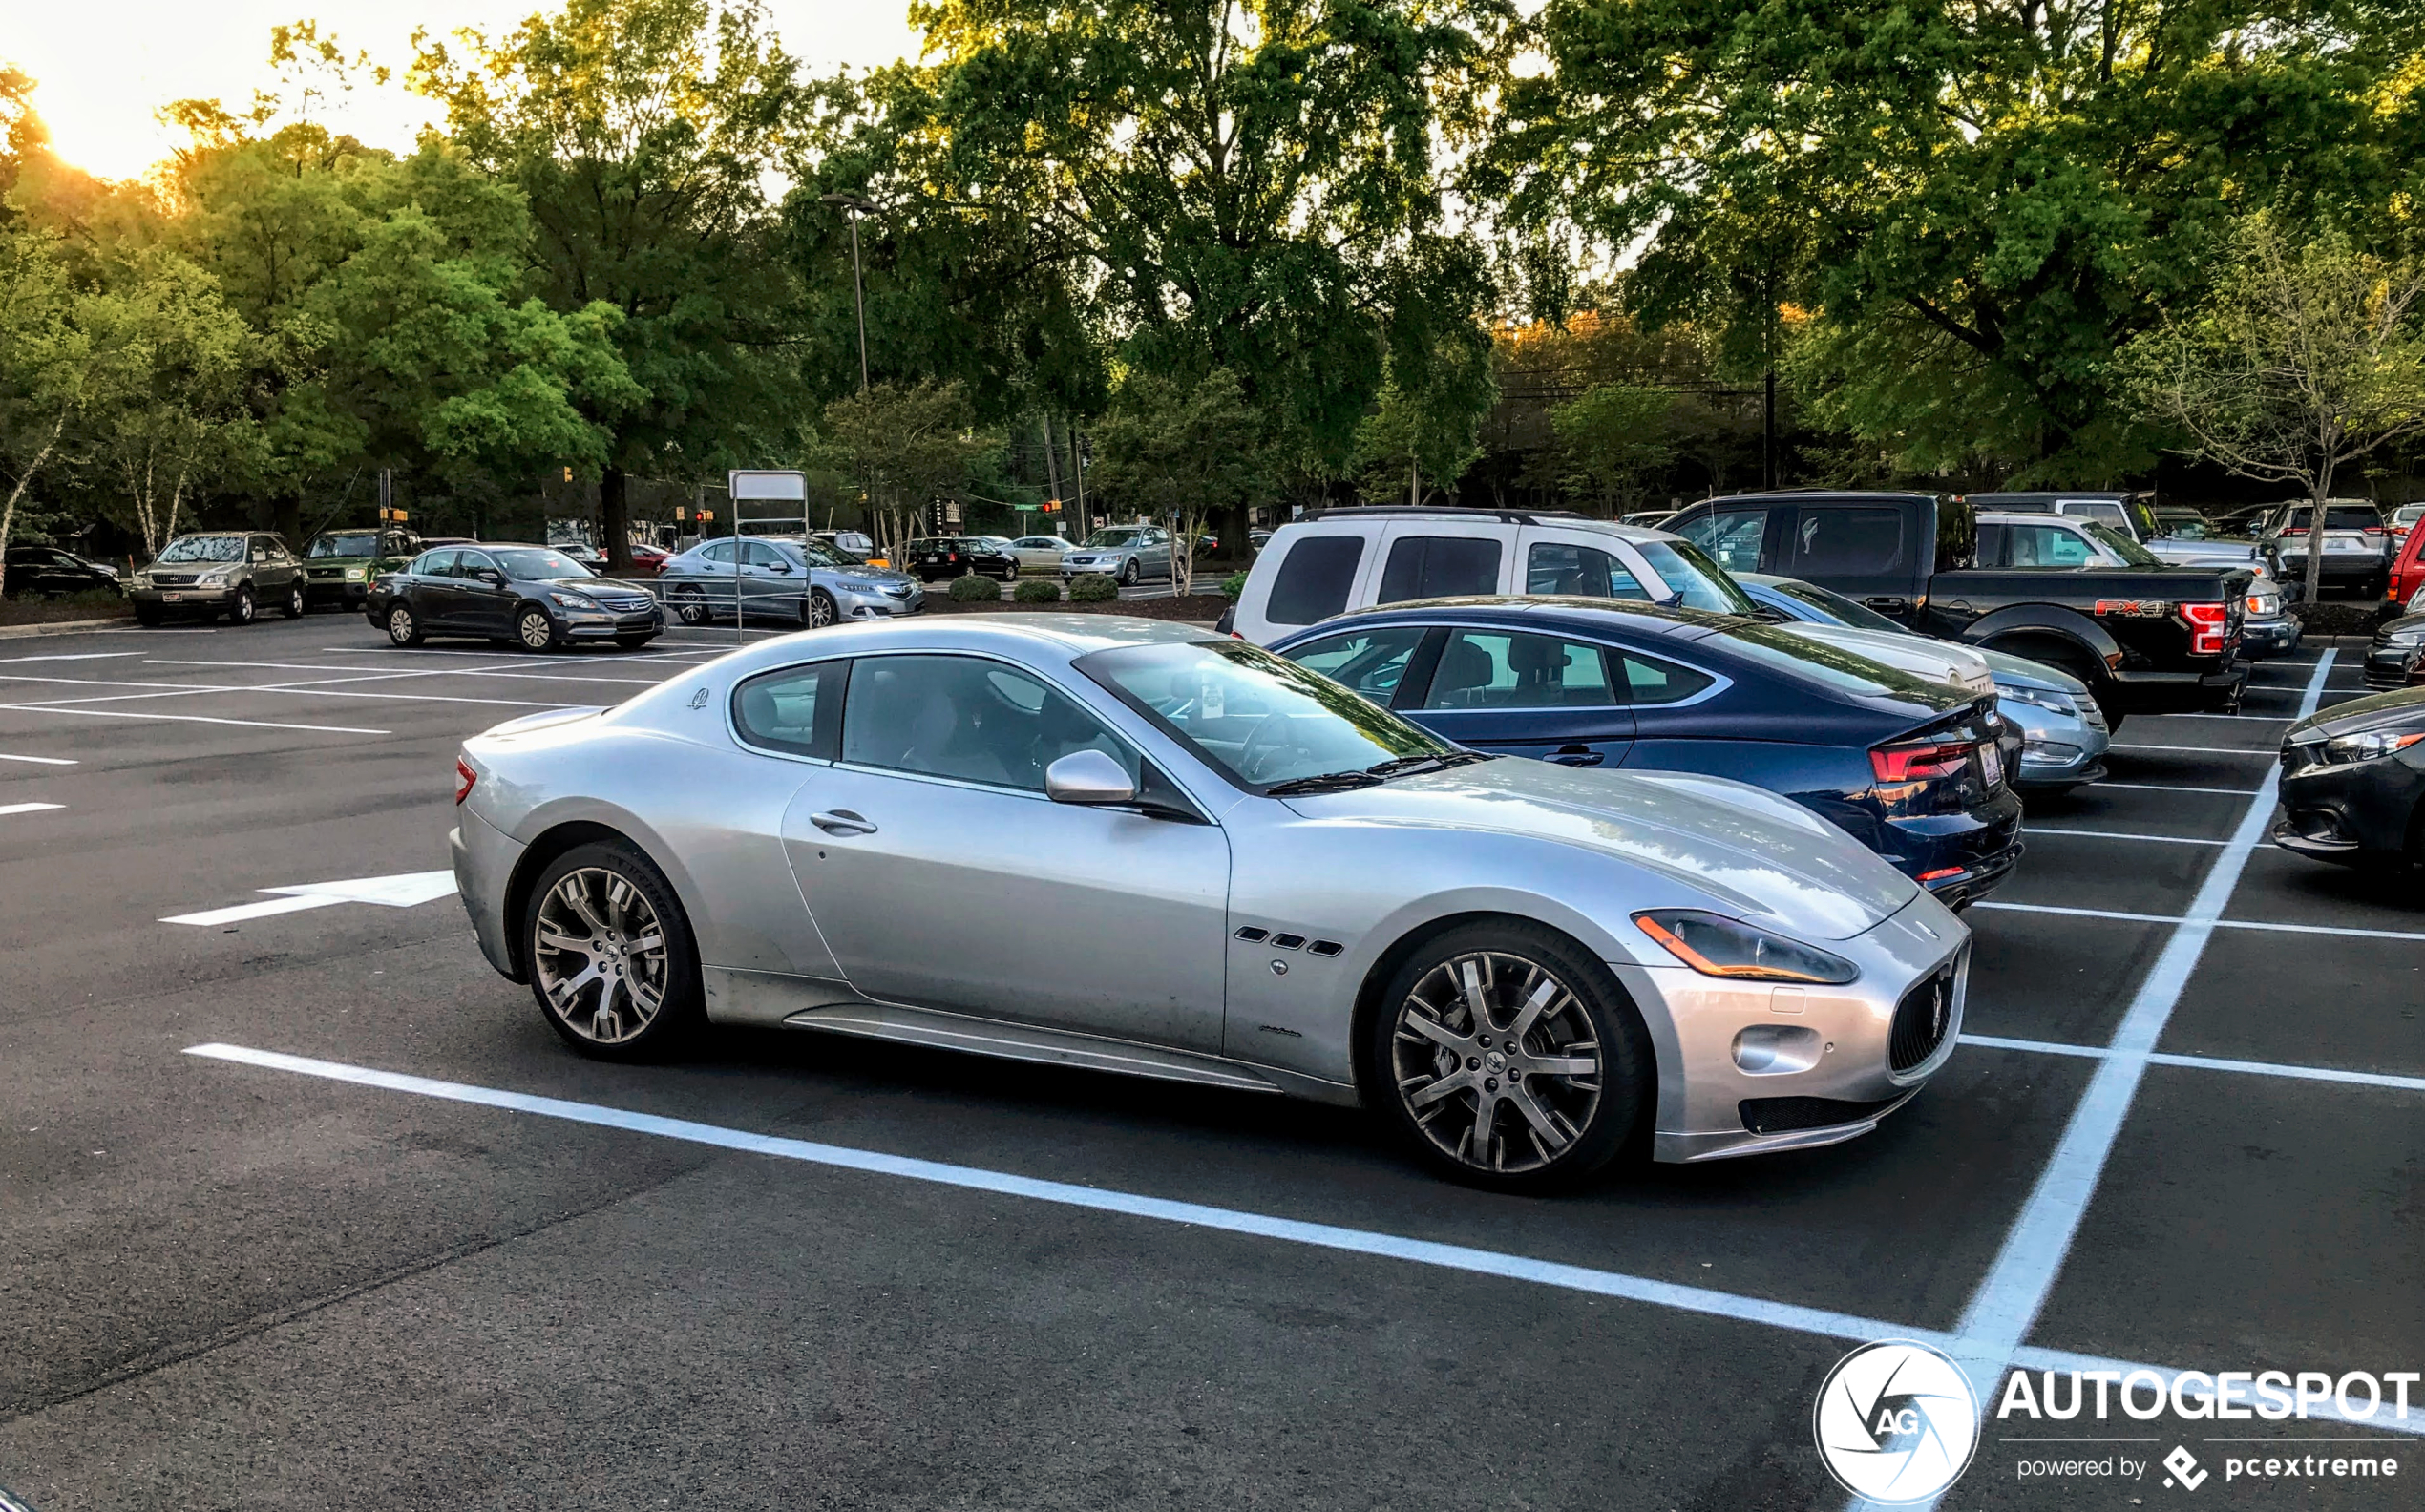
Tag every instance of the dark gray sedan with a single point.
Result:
(533, 597)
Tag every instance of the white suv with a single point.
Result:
(1335, 561)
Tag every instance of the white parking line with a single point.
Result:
(1645, 1290)
(2008, 1301)
(295, 689)
(2273, 1068)
(377, 674)
(2119, 918)
(72, 656)
(2227, 793)
(28, 807)
(2118, 835)
(194, 719)
(41, 761)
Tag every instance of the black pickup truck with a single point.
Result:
(2147, 640)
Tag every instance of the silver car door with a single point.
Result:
(941, 877)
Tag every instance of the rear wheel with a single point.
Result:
(690, 607)
(295, 601)
(612, 962)
(1507, 1057)
(403, 629)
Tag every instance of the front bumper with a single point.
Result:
(349, 593)
(2351, 812)
(2056, 751)
(1748, 1068)
(579, 625)
(2216, 692)
(2269, 638)
(484, 860)
(877, 603)
(172, 598)
(2392, 667)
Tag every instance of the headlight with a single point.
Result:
(2265, 605)
(2371, 746)
(2405, 637)
(1717, 946)
(2052, 699)
(355, 575)
(217, 574)
(570, 600)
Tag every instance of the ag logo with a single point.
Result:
(1896, 1422)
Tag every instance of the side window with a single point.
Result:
(1730, 535)
(434, 564)
(1552, 567)
(2045, 546)
(797, 710)
(1500, 670)
(1856, 542)
(261, 549)
(1652, 680)
(967, 719)
(1991, 545)
(1315, 579)
(762, 554)
(1439, 567)
(1371, 661)
(717, 552)
(468, 564)
(1957, 535)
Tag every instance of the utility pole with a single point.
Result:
(853, 207)
(1078, 467)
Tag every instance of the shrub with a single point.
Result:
(1233, 585)
(973, 589)
(1093, 588)
(1036, 589)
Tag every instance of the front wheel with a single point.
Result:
(1509, 1059)
(612, 961)
(240, 609)
(534, 630)
(403, 629)
(822, 610)
(1129, 572)
(1010, 574)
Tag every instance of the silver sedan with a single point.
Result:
(1256, 881)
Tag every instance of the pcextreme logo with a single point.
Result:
(1896, 1422)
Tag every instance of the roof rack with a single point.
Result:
(1452, 511)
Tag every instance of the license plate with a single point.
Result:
(172, 597)
(1991, 758)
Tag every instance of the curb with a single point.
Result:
(62, 628)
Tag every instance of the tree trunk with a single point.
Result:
(25, 479)
(614, 519)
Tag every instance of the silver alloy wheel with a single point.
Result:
(1496, 1061)
(689, 608)
(600, 954)
(400, 625)
(241, 610)
(536, 633)
(821, 612)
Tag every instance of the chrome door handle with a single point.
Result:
(1577, 756)
(841, 821)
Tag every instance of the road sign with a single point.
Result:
(780, 484)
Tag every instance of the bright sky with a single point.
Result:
(104, 66)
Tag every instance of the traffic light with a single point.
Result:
(1053, 506)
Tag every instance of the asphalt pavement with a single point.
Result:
(794, 1271)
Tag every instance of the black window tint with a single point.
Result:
(966, 718)
(1855, 542)
(1958, 531)
(1490, 669)
(1991, 545)
(1651, 680)
(1552, 567)
(1315, 579)
(797, 710)
(1439, 567)
(1370, 661)
(468, 563)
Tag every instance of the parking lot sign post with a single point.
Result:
(761, 485)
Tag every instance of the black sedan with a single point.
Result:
(48, 571)
(956, 556)
(2354, 782)
(533, 597)
(1913, 769)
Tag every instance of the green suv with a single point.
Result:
(340, 566)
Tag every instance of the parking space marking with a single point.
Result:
(2118, 917)
(28, 807)
(72, 656)
(40, 761)
(1646, 1289)
(2118, 835)
(406, 890)
(2008, 1301)
(378, 674)
(2273, 1068)
(194, 719)
(2227, 792)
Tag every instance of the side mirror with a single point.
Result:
(489, 575)
(1088, 778)
(784, 568)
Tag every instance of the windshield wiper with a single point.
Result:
(1322, 783)
(1407, 765)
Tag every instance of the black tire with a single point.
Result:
(404, 626)
(691, 609)
(1591, 1078)
(1130, 572)
(535, 631)
(1010, 574)
(821, 612)
(617, 982)
(295, 605)
(147, 616)
(240, 609)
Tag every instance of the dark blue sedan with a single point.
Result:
(1910, 767)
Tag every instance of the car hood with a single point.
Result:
(881, 575)
(1935, 660)
(2405, 708)
(1751, 852)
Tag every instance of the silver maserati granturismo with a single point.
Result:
(1137, 847)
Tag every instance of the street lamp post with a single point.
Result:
(853, 207)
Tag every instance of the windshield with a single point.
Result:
(1258, 720)
(2120, 545)
(205, 548)
(529, 562)
(821, 554)
(364, 545)
(1839, 608)
(1688, 570)
(1111, 538)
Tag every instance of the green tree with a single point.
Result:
(641, 133)
(2304, 359)
(912, 448)
(46, 367)
(1178, 450)
(1610, 440)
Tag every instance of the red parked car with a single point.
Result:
(2407, 576)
